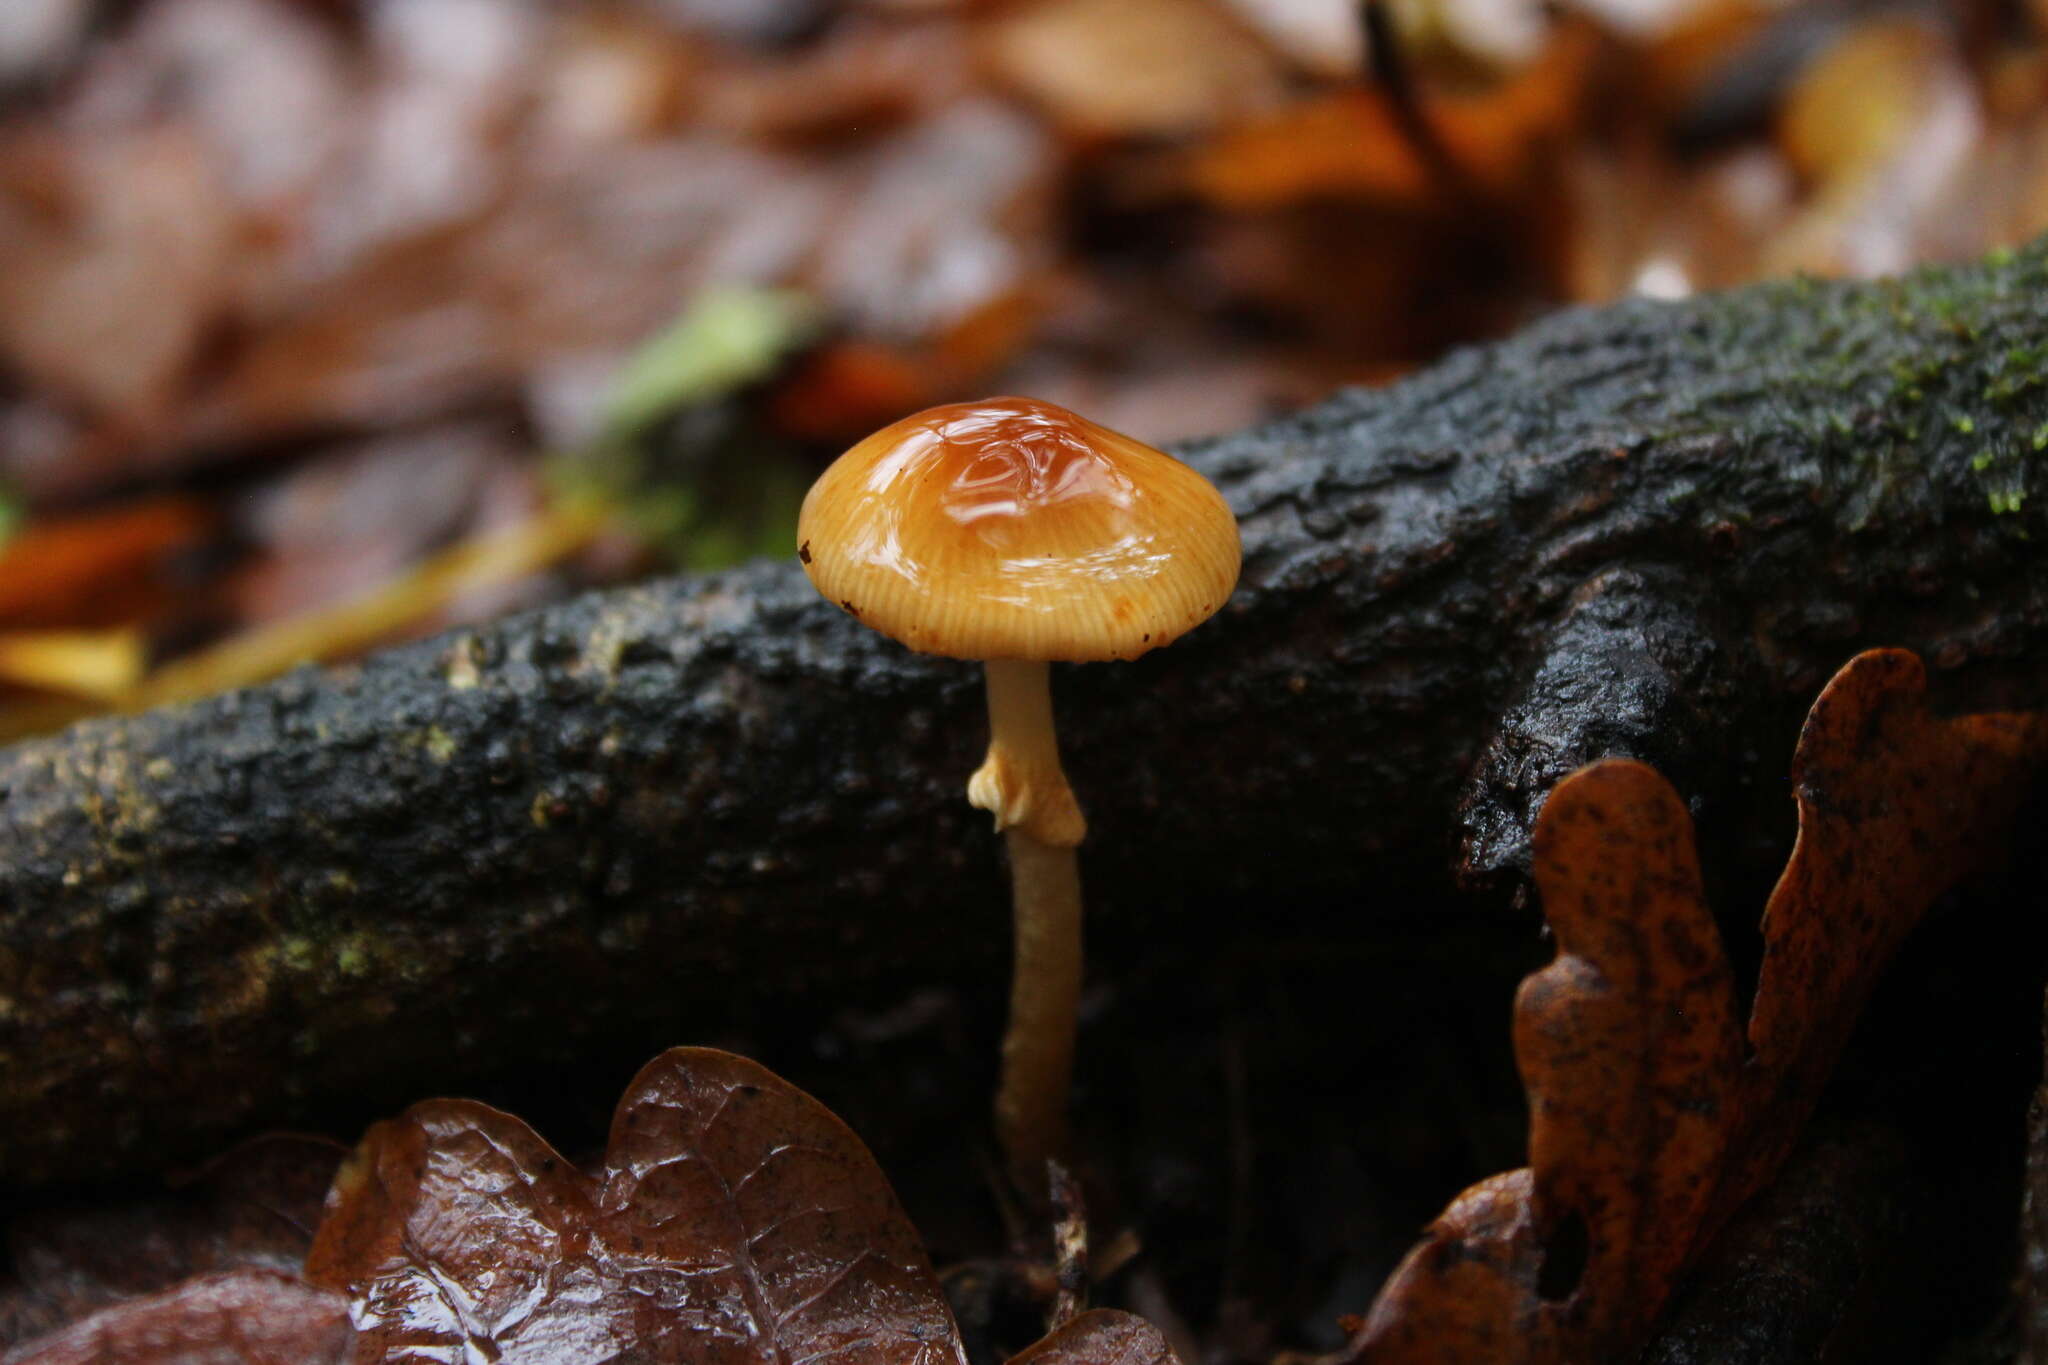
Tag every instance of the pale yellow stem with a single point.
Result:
(1021, 781)
(1045, 998)
(1023, 784)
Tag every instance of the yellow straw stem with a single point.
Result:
(1023, 784)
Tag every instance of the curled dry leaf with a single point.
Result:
(246, 1317)
(1896, 805)
(97, 569)
(1101, 1337)
(735, 1219)
(1647, 1129)
(1628, 1046)
(1464, 1292)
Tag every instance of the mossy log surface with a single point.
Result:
(1650, 529)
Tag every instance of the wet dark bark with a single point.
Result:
(1651, 529)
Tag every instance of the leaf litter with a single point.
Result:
(245, 236)
(733, 1217)
(1652, 1117)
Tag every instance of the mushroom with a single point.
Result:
(1015, 532)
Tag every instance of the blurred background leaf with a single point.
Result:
(304, 301)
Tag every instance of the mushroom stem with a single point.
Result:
(1023, 784)
(1045, 997)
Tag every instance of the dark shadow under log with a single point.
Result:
(1652, 529)
(1800, 1275)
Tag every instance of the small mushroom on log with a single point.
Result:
(1651, 530)
(1016, 533)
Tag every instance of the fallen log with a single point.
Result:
(1649, 530)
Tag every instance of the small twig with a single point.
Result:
(1069, 1246)
(1386, 65)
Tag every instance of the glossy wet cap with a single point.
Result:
(1013, 529)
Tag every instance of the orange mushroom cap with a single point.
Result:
(1013, 529)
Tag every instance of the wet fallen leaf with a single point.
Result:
(98, 568)
(1352, 144)
(1647, 1126)
(118, 252)
(252, 1208)
(247, 1317)
(1117, 68)
(1464, 1295)
(735, 1220)
(1102, 1337)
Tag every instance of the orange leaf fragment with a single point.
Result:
(1351, 144)
(1465, 1295)
(96, 568)
(735, 1220)
(848, 388)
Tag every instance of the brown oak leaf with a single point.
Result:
(1647, 1126)
(1896, 805)
(1628, 1047)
